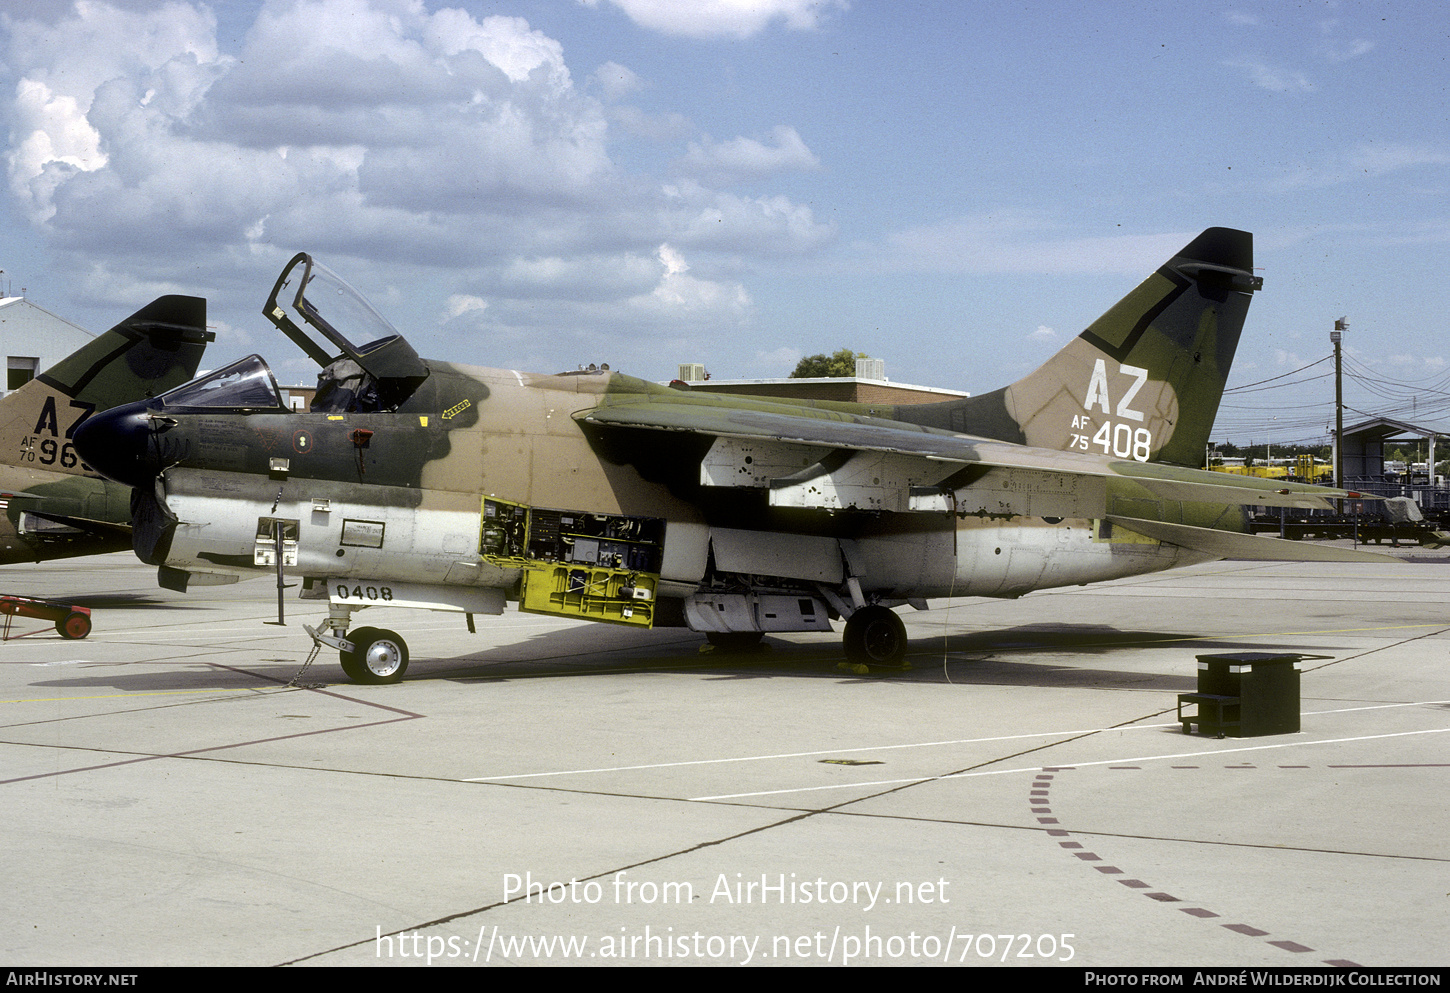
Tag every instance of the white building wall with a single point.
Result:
(32, 339)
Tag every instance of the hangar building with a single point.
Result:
(32, 340)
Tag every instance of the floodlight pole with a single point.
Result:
(1340, 326)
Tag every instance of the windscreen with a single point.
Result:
(246, 384)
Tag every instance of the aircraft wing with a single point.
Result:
(1011, 468)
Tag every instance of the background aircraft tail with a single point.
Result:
(1144, 380)
(153, 350)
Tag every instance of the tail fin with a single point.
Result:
(153, 350)
(1144, 380)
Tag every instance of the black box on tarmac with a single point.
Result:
(1244, 695)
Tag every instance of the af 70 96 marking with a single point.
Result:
(52, 504)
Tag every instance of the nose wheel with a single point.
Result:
(377, 656)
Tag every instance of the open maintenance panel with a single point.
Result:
(605, 567)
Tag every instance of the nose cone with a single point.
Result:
(120, 444)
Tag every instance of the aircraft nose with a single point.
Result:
(120, 444)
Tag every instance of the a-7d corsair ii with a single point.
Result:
(414, 483)
(52, 504)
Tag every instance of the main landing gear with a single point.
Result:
(875, 636)
(368, 655)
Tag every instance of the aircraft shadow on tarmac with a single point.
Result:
(1049, 655)
(1042, 655)
(128, 601)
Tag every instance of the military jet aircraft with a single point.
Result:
(54, 504)
(415, 483)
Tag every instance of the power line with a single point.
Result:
(1311, 365)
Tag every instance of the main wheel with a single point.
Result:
(73, 625)
(875, 636)
(378, 656)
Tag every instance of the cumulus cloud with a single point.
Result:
(724, 18)
(680, 294)
(349, 117)
(55, 140)
(62, 68)
(462, 303)
(457, 149)
(704, 218)
(747, 158)
(616, 81)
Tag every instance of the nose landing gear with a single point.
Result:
(368, 655)
(377, 656)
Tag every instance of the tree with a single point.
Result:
(840, 365)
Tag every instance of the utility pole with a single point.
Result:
(1340, 326)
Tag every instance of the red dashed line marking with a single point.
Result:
(1043, 781)
(1252, 932)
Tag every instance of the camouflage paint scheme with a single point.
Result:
(55, 505)
(602, 496)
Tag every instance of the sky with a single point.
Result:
(956, 188)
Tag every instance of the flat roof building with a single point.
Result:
(869, 385)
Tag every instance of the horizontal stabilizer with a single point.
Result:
(1232, 545)
(1203, 486)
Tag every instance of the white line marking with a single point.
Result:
(887, 748)
(1074, 765)
(796, 755)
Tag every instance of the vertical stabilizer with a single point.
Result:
(1144, 380)
(155, 349)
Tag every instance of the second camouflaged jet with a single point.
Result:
(414, 483)
(52, 504)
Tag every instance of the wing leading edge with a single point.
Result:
(835, 433)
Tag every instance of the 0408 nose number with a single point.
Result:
(377, 594)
